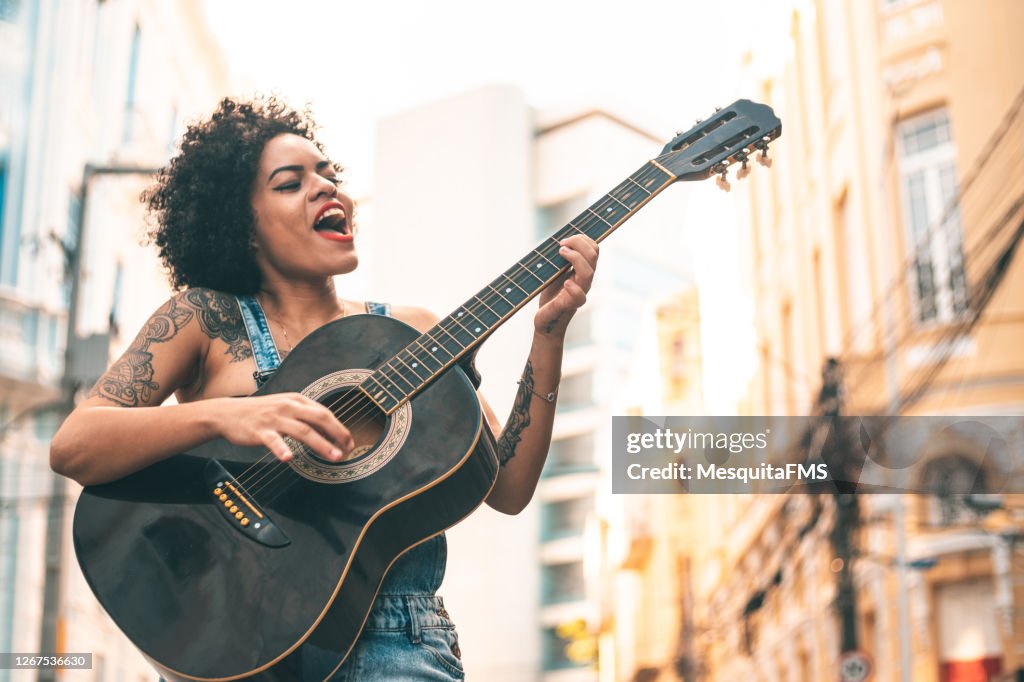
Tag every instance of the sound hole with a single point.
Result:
(361, 417)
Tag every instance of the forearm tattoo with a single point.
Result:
(519, 419)
(130, 381)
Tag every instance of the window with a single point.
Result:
(572, 453)
(934, 233)
(562, 582)
(564, 518)
(576, 391)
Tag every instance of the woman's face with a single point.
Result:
(305, 225)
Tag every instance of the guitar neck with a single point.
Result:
(459, 334)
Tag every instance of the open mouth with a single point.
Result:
(333, 224)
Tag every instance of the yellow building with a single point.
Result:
(883, 237)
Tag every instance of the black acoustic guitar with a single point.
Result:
(224, 563)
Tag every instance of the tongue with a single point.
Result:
(334, 223)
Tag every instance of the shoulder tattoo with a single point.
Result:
(129, 381)
(519, 419)
(219, 318)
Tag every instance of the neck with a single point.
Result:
(300, 305)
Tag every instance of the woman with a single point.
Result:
(252, 225)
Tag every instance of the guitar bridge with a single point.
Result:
(239, 508)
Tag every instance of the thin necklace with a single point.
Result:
(344, 311)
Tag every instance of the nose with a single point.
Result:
(322, 187)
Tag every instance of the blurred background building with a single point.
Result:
(883, 239)
(93, 96)
(465, 186)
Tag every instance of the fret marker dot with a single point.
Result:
(477, 330)
(539, 264)
(415, 365)
(433, 349)
(460, 314)
(608, 209)
(508, 289)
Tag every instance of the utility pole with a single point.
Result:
(845, 472)
(51, 637)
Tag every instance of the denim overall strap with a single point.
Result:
(378, 308)
(264, 350)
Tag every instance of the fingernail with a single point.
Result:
(335, 453)
(286, 454)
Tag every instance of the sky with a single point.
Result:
(660, 63)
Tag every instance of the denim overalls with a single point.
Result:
(408, 634)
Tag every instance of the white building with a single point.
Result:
(108, 84)
(464, 187)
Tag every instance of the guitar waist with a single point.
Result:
(419, 571)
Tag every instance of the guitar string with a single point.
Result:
(362, 414)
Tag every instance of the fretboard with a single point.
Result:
(458, 334)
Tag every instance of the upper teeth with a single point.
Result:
(331, 212)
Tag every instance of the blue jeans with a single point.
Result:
(407, 637)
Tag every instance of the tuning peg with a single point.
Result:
(763, 157)
(723, 181)
(717, 109)
(744, 170)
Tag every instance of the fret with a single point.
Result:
(497, 317)
(616, 200)
(432, 348)
(599, 217)
(397, 371)
(531, 273)
(641, 187)
(455, 332)
(413, 366)
(606, 209)
(440, 325)
(424, 357)
(389, 386)
(472, 330)
(541, 254)
(511, 305)
(514, 282)
(378, 391)
(571, 226)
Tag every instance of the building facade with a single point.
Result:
(93, 96)
(883, 238)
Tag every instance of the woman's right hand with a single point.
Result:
(266, 420)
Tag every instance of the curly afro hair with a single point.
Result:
(202, 200)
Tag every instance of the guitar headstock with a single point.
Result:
(732, 135)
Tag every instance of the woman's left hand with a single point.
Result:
(559, 302)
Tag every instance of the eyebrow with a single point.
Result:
(299, 168)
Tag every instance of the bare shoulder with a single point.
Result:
(420, 318)
(219, 318)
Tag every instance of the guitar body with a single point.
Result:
(205, 598)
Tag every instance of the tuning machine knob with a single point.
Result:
(744, 170)
(763, 157)
(723, 177)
